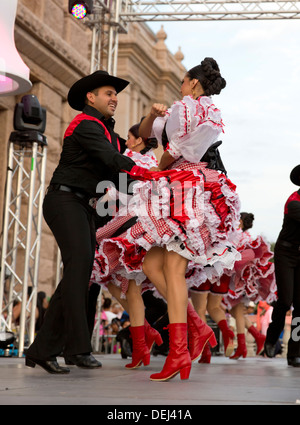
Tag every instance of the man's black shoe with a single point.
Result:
(50, 366)
(85, 361)
(294, 361)
(270, 349)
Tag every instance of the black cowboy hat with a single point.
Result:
(77, 93)
(295, 175)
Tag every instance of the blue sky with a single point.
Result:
(260, 61)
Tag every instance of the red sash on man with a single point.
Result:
(80, 117)
(294, 197)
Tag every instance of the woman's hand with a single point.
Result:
(154, 169)
(158, 110)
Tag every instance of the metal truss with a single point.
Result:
(209, 10)
(22, 233)
(110, 18)
(106, 23)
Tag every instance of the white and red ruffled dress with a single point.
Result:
(187, 208)
(111, 252)
(254, 277)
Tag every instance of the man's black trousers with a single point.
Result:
(287, 273)
(65, 328)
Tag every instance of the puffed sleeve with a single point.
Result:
(192, 126)
(158, 126)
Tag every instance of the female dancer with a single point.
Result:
(126, 290)
(198, 229)
(254, 280)
(208, 297)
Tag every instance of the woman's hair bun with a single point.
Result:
(209, 75)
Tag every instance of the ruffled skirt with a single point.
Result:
(117, 260)
(254, 277)
(188, 209)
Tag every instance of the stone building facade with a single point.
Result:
(56, 48)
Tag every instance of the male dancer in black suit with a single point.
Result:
(287, 272)
(90, 154)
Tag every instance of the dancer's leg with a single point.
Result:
(199, 300)
(259, 338)
(151, 335)
(214, 307)
(153, 267)
(248, 322)
(198, 332)
(238, 313)
(218, 315)
(116, 293)
(136, 308)
(177, 295)
(166, 270)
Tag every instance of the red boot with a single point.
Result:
(259, 339)
(152, 336)
(206, 355)
(228, 337)
(140, 351)
(179, 359)
(241, 348)
(199, 333)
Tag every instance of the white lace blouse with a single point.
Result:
(192, 126)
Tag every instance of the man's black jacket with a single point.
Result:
(290, 231)
(88, 156)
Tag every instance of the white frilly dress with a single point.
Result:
(187, 208)
(254, 275)
(111, 251)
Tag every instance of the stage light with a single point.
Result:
(14, 74)
(79, 9)
(29, 115)
(29, 121)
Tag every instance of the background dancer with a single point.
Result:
(253, 280)
(207, 297)
(108, 270)
(287, 271)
